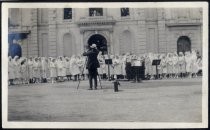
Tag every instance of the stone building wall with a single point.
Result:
(144, 30)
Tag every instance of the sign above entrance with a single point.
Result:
(103, 20)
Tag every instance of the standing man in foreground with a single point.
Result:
(92, 65)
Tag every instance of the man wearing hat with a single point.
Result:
(92, 65)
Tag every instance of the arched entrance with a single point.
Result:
(183, 44)
(100, 41)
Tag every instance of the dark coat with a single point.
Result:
(92, 61)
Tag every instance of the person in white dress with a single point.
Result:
(75, 71)
(80, 65)
(11, 71)
(24, 71)
(123, 62)
(67, 65)
(199, 63)
(17, 66)
(194, 64)
(159, 67)
(53, 70)
(188, 59)
(148, 67)
(85, 71)
(30, 69)
(60, 69)
(175, 65)
(103, 67)
(36, 70)
(182, 65)
(117, 67)
(163, 64)
(44, 66)
(169, 65)
(100, 69)
(152, 68)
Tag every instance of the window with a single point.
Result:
(95, 11)
(125, 12)
(67, 13)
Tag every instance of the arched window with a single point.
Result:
(183, 44)
(68, 47)
(125, 42)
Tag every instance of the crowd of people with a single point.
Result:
(22, 70)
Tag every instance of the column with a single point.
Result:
(52, 35)
(141, 40)
(82, 49)
(111, 44)
(33, 45)
(162, 42)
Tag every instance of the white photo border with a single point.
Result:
(9, 124)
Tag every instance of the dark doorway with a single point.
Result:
(100, 41)
(183, 44)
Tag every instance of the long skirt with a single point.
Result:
(176, 68)
(169, 69)
(11, 73)
(36, 73)
(53, 72)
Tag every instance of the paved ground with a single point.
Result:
(173, 100)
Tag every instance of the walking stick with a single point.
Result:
(82, 72)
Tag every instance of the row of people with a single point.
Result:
(41, 69)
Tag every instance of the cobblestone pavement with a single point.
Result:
(171, 100)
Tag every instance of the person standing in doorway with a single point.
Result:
(92, 65)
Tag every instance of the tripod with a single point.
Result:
(83, 72)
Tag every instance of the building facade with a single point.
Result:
(68, 31)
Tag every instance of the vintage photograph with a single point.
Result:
(100, 63)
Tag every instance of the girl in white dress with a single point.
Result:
(194, 64)
(30, 69)
(60, 69)
(44, 66)
(80, 65)
(100, 69)
(24, 71)
(123, 62)
(169, 65)
(148, 67)
(11, 73)
(160, 66)
(67, 62)
(17, 66)
(117, 67)
(75, 71)
(182, 65)
(36, 70)
(53, 70)
(175, 65)
(188, 60)
(163, 64)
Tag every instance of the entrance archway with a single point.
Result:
(100, 42)
(183, 44)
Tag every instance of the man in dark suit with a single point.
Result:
(92, 65)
